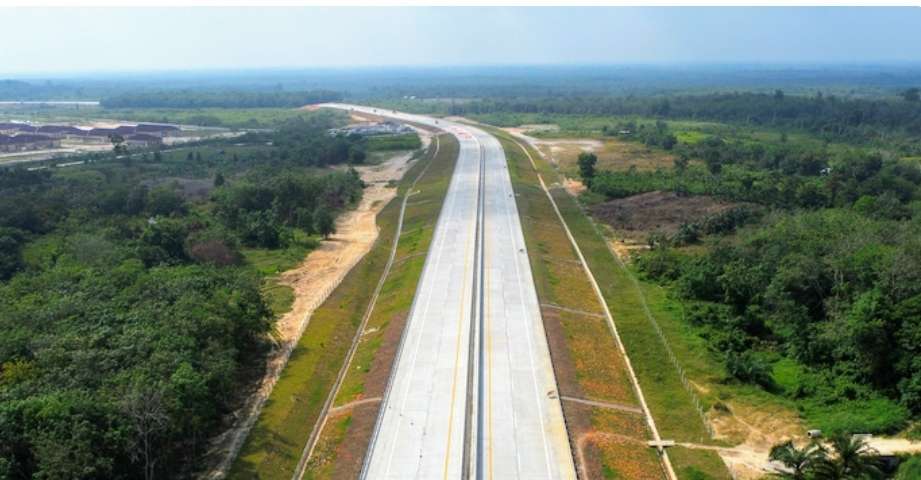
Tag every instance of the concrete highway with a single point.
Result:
(472, 393)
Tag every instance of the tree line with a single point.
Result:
(218, 99)
(828, 116)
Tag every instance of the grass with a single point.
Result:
(333, 435)
(697, 464)
(409, 141)
(397, 292)
(274, 261)
(279, 297)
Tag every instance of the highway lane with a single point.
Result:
(472, 392)
(524, 434)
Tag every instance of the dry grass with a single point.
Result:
(612, 154)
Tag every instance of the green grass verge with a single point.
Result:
(698, 464)
(276, 260)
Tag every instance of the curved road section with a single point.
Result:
(472, 393)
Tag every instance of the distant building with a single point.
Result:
(12, 128)
(26, 142)
(59, 131)
(143, 140)
(157, 129)
(144, 134)
(372, 129)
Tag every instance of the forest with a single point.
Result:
(218, 99)
(810, 289)
(826, 116)
(131, 320)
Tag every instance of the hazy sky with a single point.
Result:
(105, 39)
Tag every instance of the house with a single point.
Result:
(12, 128)
(58, 131)
(125, 130)
(157, 129)
(372, 129)
(143, 140)
(26, 142)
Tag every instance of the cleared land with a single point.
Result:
(637, 216)
(613, 154)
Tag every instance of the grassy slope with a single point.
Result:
(670, 404)
(396, 297)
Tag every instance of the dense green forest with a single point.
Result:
(810, 289)
(130, 320)
(827, 116)
(218, 99)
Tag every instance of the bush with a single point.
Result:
(214, 251)
(876, 415)
(910, 469)
(748, 368)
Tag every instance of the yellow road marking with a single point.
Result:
(460, 323)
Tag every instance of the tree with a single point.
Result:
(681, 163)
(157, 157)
(165, 201)
(118, 144)
(910, 469)
(912, 95)
(851, 458)
(799, 461)
(323, 222)
(218, 179)
(587, 161)
(11, 240)
(147, 414)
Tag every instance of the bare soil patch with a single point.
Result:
(639, 215)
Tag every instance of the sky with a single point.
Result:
(56, 40)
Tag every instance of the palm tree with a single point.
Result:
(852, 459)
(799, 461)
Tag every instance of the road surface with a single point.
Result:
(472, 393)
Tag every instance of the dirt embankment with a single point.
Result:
(312, 281)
